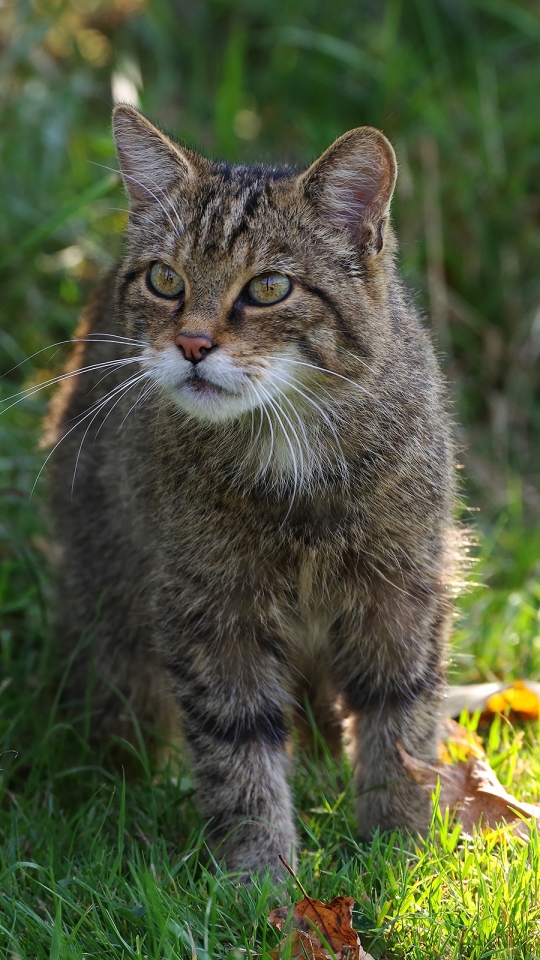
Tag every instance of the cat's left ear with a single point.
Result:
(150, 163)
(352, 184)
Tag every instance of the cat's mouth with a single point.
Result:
(205, 388)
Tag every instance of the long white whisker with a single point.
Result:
(145, 218)
(274, 408)
(30, 391)
(255, 439)
(101, 402)
(264, 412)
(121, 389)
(252, 411)
(130, 383)
(360, 360)
(109, 338)
(145, 392)
(112, 338)
(294, 412)
(333, 373)
(97, 404)
(101, 379)
(302, 451)
(320, 411)
(128, 176)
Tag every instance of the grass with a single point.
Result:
(93, 866)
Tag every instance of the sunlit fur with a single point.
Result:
(274, 522)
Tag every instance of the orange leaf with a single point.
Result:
(518, 698)
(313, 925)
(522, 697)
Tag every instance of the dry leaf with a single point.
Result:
(309, 917)
(522, 697)
(471, 789)
(458, 743)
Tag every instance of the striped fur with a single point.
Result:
(282, 527)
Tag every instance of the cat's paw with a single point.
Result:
(402, 805)
(248, 852)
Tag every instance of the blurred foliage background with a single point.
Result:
(455, 85)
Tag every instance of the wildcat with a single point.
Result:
(254, 490)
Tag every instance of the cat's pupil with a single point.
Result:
(269, 288)
(164, 281)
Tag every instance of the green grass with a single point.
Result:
(94, 866)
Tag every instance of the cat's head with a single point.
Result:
(254, 287)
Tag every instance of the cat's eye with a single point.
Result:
(269, 288)
(164, 281)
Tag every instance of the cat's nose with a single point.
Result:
(193, 348)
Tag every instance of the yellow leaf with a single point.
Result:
(518, 698)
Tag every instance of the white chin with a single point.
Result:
(203, 400)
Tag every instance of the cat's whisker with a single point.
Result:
(129, 176)
(103, 337)
(333, 373)
(303, 451)
(262, 407)
(119, 392)
(360, 360)
(96, 405)
(101, 379)
(252, 411)
(138, 378)
(145, 392)
(141, 216)
(111, 338)
(257, 409)
(78, 421)
(274, 408)
(321, 413)
(31, 391)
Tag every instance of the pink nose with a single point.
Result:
(194, 348)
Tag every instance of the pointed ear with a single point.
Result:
(150, 163)
(352, 185)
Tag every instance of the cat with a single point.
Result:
(254, 490)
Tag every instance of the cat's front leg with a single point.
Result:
(394, 690)
(233, 722)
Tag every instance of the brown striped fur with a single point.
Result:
(283, 527)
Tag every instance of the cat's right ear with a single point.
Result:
(150, 163)
(351, 186)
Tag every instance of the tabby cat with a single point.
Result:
(254, 490)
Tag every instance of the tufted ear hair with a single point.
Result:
(150, 163)
(352, 184)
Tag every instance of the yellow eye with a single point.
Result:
(163, 280)
(269, 288)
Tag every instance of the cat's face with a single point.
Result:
(244, 284)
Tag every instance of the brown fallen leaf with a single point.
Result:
(471, 790)
(458, 743)
(299, 946)
(312, 926)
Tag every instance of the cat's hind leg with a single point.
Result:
(317, 713)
